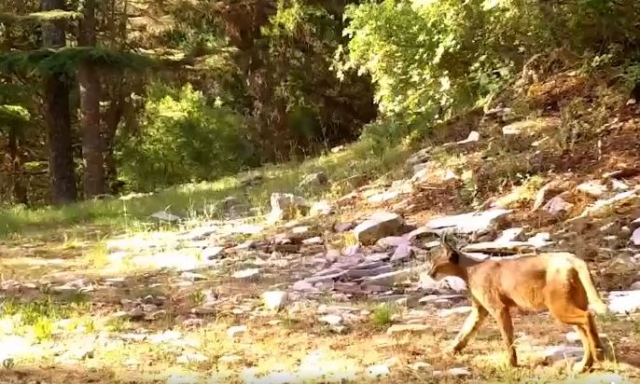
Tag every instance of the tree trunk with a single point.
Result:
(89, 82)
(17, 174)
(113, 116)
(56, 116)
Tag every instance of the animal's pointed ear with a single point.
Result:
(448, 243)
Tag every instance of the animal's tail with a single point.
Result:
(587, 282)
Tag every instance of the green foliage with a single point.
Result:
(182, 138)
(428, 58)
(66, 60)
(40, 16)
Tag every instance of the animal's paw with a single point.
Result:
(580, 367)
(452, 350)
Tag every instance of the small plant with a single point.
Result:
(197, 298)
(117, 324)
(43, 329)
(382, 315)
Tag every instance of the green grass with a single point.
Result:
(96, 219)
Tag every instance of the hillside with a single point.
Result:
(100, 291)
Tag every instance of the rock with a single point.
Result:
(624, 301)
(509, 235)
(399, 329)
(635, 286)
(331, 319)
(618, 185)
(343, 227)
(540, 240)
(382, 197)
(420, 170)
(274, 300)
(357, 273)
(592, 188)
(392, 241)
(246, 273)
(379, 225)
(635, 237)
(481, 222)
(562, 352)
(314, 180)
(192, 276)
(402, 253)
(420, 157)
(603, 208)
(236, 330)
(550, 190)
(473, 137)
(165, 216)
(211, 253)
(321, 208)
(286, 206)
(389, 278)
(521, 127)
(557, 206)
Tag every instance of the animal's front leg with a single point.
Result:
(469, 328)
(503, 317)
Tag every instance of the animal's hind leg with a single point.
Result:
(589, 354)
(600, 349)
(563, 307)
(469, 327)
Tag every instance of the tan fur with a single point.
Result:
(556, 281)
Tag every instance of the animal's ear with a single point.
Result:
(448, 243)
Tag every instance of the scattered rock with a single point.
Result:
(511, 234)
(165, 216)
(603, 208)
(557, 206)
(420, 157)
(331, 319)
(211, 253)
(381, 224)
(520, 127)
(624, 301)
(389, 278)
(481, 222)
(593, 188)
(274, 300)
(635, 237)
(246, 273)
(236, 330)
(321, 208)
(286, 206)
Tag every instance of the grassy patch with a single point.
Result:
(93, 220)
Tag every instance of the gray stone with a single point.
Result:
(381, 224)
(286, 206)
(165, 216)
(389, 278)
(467, 223)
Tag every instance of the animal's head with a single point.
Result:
(446, 260)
